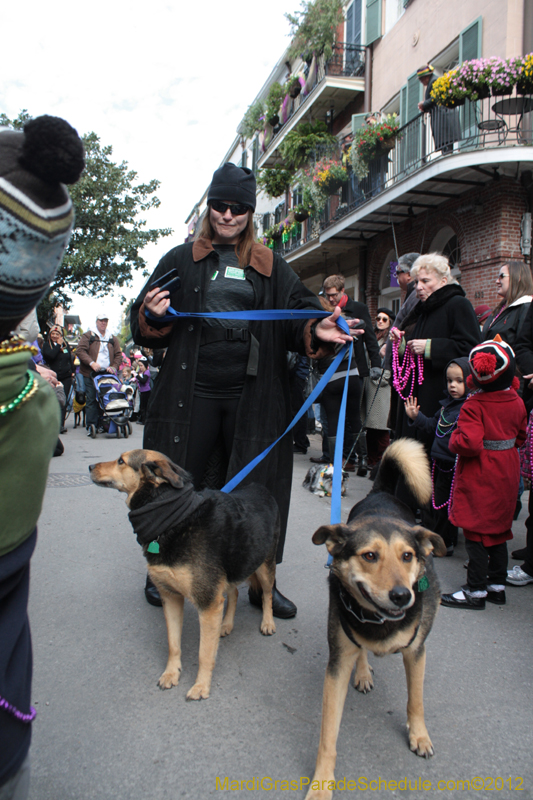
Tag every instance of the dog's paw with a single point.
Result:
(268, 628)
(169, 679)
(198, 692)
(421, 745)
(363, 681)
(225, 629)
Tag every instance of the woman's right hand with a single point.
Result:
(396, 335)
(157, 302)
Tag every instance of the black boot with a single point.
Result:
(151, 593)
(282, 607)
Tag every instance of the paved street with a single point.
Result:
(104, 731)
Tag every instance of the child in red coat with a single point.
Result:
(490, 428)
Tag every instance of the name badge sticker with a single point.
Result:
(234, 272)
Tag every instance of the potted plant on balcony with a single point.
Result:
(504, 75)
(301, 212)
(524, 84)
(254, 119)
(294, 85)
(474, 78)
(450, 90)
(314, 29)
(329, 174)
(275, 180)
(276, 93)
(373, 141)
(303, 140)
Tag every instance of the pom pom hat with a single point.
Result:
(36, 214)
(493, 365)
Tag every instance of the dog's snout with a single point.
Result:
(91, 467)
(400, 596)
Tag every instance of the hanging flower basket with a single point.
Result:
(295, 90)
(301, 215)
(482, 93)
(274, 121)
(275, 234)
(332, 185)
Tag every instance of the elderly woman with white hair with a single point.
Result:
(442, 327)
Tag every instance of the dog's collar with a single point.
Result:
(361, 614)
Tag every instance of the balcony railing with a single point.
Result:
(487, 124)
(347, 61)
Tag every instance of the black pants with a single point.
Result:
(331, 398)
(299, 432)
(528, 564)
(486, 565)
(210, 419)
(92, 409)
(144, 397)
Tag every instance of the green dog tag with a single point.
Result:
(153, 547)
(423, 583)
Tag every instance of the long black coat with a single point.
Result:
(448, 319)
(264, 409)
(523, 348)
(509, 322)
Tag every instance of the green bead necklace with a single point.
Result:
(26, 394)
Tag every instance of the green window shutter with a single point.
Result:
(358, 120)
(470, 41)
(413, 96)
(470, 46)
(403, 105)
(373, 20)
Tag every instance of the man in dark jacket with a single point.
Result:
(226, 263)
(98, 351)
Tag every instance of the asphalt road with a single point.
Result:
(104, 731)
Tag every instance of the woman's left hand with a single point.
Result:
(328, 331)
(417, 346)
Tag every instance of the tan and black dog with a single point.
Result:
(198, 545)
(384, 596)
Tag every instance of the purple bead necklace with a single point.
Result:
(406, 372)
(16, 713)
(450, 498)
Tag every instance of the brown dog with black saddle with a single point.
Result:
(383, 597)
(198, 545)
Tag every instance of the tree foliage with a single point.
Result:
(314, 28)
(109, 229)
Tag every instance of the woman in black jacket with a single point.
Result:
(222, 394)
(515, 290)
(58, 356)
(442, 327)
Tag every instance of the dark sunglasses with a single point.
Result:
(236, 209)
(382, 319)
(501, 276)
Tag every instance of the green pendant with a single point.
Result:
(153, 547)
(423, 583)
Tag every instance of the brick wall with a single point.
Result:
(487, 224)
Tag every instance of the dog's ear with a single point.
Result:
(335, 537)
(429, 541)
(165, 472)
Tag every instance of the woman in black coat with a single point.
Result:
(442, 327)
(222, 394)
(58, 356)
(515, 290)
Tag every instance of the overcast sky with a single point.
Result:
(165, 84)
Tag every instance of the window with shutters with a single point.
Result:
(255, 154)
(354, 24)
(470, 48)
(393, 11)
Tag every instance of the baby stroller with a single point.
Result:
(113, 404)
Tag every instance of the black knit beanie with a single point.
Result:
(235, 184)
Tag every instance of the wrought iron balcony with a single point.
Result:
(489, 124)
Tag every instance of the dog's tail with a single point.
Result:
(405, 459)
